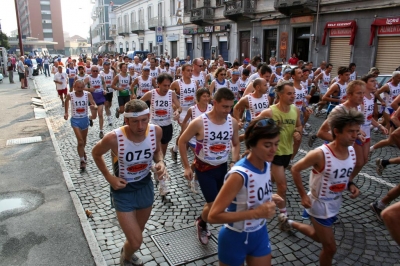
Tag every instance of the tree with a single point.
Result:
(4, 41)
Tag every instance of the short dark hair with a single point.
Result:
(265, 68)
(304, 69)
(164, 76)
(224, 93)
(186, 66)
(342, 70)
(246, 72)
(125, 57)
(340, 117)
(293, 71)
(328, 65)
(200, 93)
(254, 133)
(365, 78)
(236, 63)
(352, 64)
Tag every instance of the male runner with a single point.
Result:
(323, 80)
(255, 102)
(161, 113)
(273, 81)
(288, 117)
(185, 88)
(97, 87)
(353, 72)
(215, 132)
(133, 147)
(198, 75)
(332, 165)
(144, 83)
(154, 71)
(79, 117)
(108, 76)
(60, 79)
(137, 65)
(124, 92)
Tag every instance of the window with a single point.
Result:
(133, 17)
(45, 7)
(160, 11)
(219, 2)
(133, 45)
(149, 15)
(46, 16)
(172, 8)
(150, 47)
(47, 35)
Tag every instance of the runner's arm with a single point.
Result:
(396, 103)
(249, 89)
(185, 121)
(331, 91)
(158, 157)
(114, 84)
(176, 102)
(239, 108)
(235, 142)
(191, 131)
(66, 106)
(384, 88)
(273, 83)
(212, 87)
(324, 132)
(146, 96)
(154, 83)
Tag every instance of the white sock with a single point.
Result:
(381, 205)
(371, 149)
(283, 210)
(290, 222)
(83, 159)
(175, 148)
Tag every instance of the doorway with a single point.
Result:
(301, 42)
(244, 45)
(174, 49)
(206, 50)
(270, 37)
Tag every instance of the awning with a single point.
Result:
(341, 24)
(382, 22)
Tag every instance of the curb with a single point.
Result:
(87, 229)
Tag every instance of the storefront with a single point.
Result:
(388, 43)
(341, 40)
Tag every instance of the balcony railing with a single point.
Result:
(239, 8)
(137, 26)
(199, 15)
(112, 31)
(153, 23)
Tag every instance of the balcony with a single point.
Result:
(202, 16)
(122, 31)
(296, 7)
(240, 9)
(153, 23)
(112, 31)
(137, 27)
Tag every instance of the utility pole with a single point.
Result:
(21, 46)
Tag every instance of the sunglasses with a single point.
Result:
(199, 65)
(265, 122)
(223, 74)
(95, 71)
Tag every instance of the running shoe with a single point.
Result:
(307, 125)
(305, 133)
(311, 140)
(163, 187)
(376, 210)
(370, 154)
(109, 120)
(90, 122)
(202, 233)
(63, 104)
(194, 186)
(83, 165)
(174, 155)
(379, 167)
(135, 260)
(283, 222)
(101, 134)
(117, 112)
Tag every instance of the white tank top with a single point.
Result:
(300, 97)
(124, 83)
(278, 77)
(242, 84)
(135, 159)
(326, 187)
(257, 105)
(218, 85)
(79, 105)
(144, 86)
(215, 148)
(343, 93)
(394, 91)
(196, 112)
(200, 79)
(96, 84)
(324, 83)
(134, 76)
(162, 70)
(80, 77)
(88, 70)
(154, 73)
(173, 70)
(253, 69)
(137, 67)
(161, 108)
(108, 79)
(311, 76)
(256, 189)
(72, 72)
(368, 110)
(187, 94)
(353, 76)
(234, 87)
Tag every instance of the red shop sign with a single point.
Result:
(380, 22)
(350, 26)
(345, 32)
(389, 30)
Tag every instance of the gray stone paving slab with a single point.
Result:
(356, 235)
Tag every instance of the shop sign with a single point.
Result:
(304, 19)
(341, 29)
(389, 30)
(383, 23)
(172, 38)
(201, 30)
(345, 32)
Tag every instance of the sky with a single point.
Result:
(71, 9)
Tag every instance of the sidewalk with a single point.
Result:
(43, 228)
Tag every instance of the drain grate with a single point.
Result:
(182, 246)
(23, 140)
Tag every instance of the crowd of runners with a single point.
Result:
(267, 107)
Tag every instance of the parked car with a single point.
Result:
(383, 79)
(141, 54)
(35, 67)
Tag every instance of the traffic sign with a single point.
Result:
(159, 38)
(159, 30)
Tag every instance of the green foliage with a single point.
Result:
(4, 41)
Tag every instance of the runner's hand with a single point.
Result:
(188, 174)
(277, 199)
(66, 116)
(266, 210)
(160, 170)
(306, 202)
(118, 183)
(354, 192)
(297, 135)
(384, 130)
(176, 115)
(240, 125)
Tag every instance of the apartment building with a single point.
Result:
(153, 25)
(42, 19)
(366, 32)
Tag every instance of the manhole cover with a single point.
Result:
(23, 140)
(182, 246)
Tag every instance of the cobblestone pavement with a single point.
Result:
(360, 238)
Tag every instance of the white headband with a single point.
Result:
(133, 114)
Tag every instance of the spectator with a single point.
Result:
(10, 70)
(28, 62)
(293, 60)
(21, 71)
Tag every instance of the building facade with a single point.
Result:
(154, 26)
(338, 31)
(42, 19)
